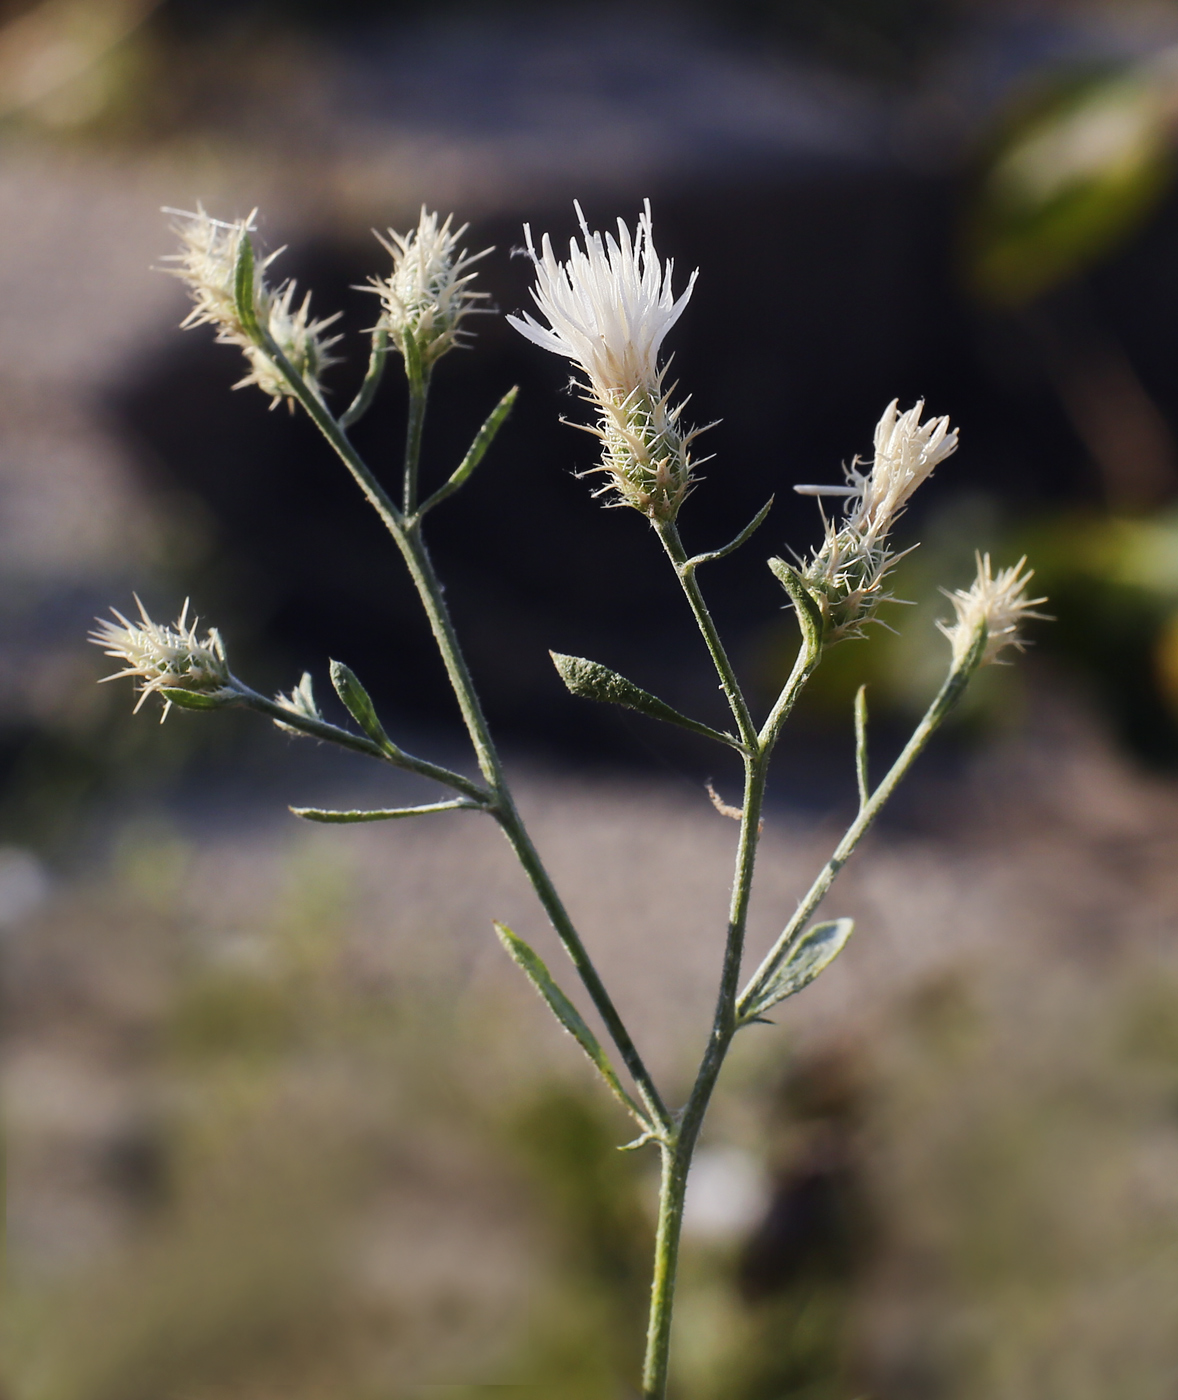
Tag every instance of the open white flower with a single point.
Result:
(428, 294)
(168, 658)
(999, 602)
(848, 570)
(207, 261)
(609, 308)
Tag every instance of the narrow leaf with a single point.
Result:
(385, 814)
(532, 966)
(377, 359)
(478, 449)
(809, 614)
(811, 954)
(861, 745)
(358, 705)
(592, 681)
(745, 535)
(194, 699)
(243, 286)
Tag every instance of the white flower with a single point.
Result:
(609, 309)
(207, 261)
(428, 293)
(300, 701)
(998, 603)
(168, 658)
(847, 571)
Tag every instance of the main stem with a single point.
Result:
(677, 1155)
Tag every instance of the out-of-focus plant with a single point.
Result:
(607, 309)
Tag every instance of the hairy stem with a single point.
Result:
(407, 537)
(685, 572)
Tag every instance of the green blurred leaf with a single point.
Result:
(1067, 181)
(381, 814)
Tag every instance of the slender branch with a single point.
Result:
(685, 571)
(862, 776)
(946, 698)
(391, 754)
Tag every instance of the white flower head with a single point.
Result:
(997, 602)
(848, 570)
(609, 308)
(207, 263)
(168, 658)
(428, 294)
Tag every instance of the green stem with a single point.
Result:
(668, 533)
(407, 537)
(946, 698)
(418, 394)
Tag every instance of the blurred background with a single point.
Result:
(279, 1118)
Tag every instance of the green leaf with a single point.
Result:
(478, 449)
(861, 773)
(243, 287)
(358, 705)
(532, 966)
(809, 614)
(811, 954)
(194, 699)
(745, 535)
(383, 814)
(592, 681)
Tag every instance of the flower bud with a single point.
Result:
(428, 294)
(847, 571)
(172, 661)
(207, 259)
(998, 603)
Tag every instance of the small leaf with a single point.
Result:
(861, 772)
(384, 814)
(243, 286)
(811, 954)
(359, 706)
(478, 449)
(745, 535)
(809, 614)
(592, 681)
(532, 966)
(194, 699)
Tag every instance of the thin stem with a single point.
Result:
(407, 537)
(946, 698)
(333, 734)
(418, 394)
(685, 571)
(672, 1194)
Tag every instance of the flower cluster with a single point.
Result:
(173, 661)
(609, 309)
(428, 293)
(207, 259)
(847, 571)
(999, 603)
